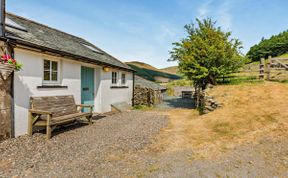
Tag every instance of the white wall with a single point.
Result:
(27, 80)
(115, 95)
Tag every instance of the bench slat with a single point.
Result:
(58, 105)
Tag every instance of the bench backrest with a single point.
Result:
(58, 105)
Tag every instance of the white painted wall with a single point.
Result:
(115, 95)
(27, 80)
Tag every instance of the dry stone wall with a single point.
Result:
(146, 96)
(208, 103)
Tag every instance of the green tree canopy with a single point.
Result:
(207, 53)
(274, 46)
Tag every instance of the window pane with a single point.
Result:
(123, 79)
(46, 65)
(114, 77)
(54, 76)
(54, 66)
(47, 75)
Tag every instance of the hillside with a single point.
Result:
(171, 70)
(152, 73)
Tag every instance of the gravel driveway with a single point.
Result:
(89, 151)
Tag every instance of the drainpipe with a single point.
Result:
(2, 18)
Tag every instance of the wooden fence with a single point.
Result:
(274, 69)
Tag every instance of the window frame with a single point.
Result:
(50, 81)
(125, 79)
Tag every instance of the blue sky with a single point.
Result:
(144, 30)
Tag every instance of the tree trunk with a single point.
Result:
(5, 107)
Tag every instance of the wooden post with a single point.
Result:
(269, 67)
(262, 69)
(48, 127)
(6, 107)
(30, 124)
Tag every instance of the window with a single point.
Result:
(114, 77)
(92, 48)
(123, 79)
(50, 71)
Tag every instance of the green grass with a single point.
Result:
(142, 107)
(237, 79)
(283, 56)
(182, 82)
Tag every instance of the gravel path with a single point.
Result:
(172, 102)
(91, 151)
(268, 158)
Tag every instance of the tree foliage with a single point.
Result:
(274, 46)
(207, 53)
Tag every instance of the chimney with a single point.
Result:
(2, 18)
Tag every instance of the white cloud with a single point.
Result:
(225, 17)
(204, 10)
(218, 11)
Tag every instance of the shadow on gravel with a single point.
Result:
(177, 102)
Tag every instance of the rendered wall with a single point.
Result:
(30, 77)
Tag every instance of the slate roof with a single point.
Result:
(147, 83)
(25, 31)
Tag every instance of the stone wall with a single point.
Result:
(5, 108)
(207, 103)
(177, 90)
(146, 96)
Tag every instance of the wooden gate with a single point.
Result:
(275, 69)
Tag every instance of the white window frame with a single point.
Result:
(117, 74)
(51, 82)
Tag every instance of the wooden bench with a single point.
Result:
(51, 111)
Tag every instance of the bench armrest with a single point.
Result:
(34, 111)
(86, 106)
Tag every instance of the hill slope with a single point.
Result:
(152, 73)
(171, 70)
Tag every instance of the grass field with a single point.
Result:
(250, 111)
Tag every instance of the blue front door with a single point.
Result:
(87, 86)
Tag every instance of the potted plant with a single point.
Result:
(8, 65)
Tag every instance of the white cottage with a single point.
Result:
(57, 63)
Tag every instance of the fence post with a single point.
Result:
(269, 67)
(262, 69)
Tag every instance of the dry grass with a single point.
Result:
(250, 111)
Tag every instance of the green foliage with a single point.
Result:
(274, 46)
(207, 53)
(151, 74)
(182, 82)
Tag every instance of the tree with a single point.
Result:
(207, 53)
(276, 45)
